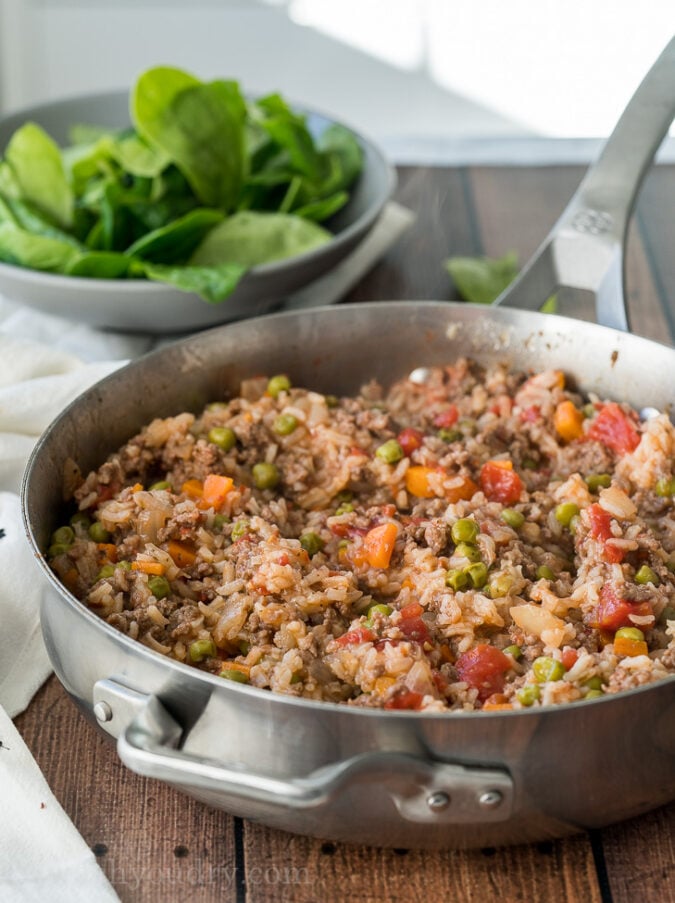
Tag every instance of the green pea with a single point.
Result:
(565, 512)
(98, 532)
(596, 481)
(630, 633)
(222, 436)
(464, 530)
(80, 518)
(513, 518)
(160, 485)
(668, 614)
(159, 587)
(124, 565)
(500, 586)
(63, 536)
(311, 543)
(234, 674)
(295, 678)
(594, 683)
(265, 475)
(106, 571)
(588, 410)
(285, 424)
(456, 579)
(216, 406)
(594, 694)
(244, 647)
(546, 669)
(545, 573)
(448, 434)
(380, 608)
(332, 401)
(665, 487)
(574, 524)
(201, 649)
(528, 694)
(220, 520)
(646, 575)
(390, 451)
(466, 550)
(477, 574)
(344, 508)
(514, 651)
(240, 529)
(278, 384)
(58, 548)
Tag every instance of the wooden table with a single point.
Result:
(158, 845)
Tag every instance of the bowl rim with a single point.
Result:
(360, 225)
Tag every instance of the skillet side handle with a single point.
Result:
(584, 251)
(422, 791)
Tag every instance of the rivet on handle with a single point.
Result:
(438, 801)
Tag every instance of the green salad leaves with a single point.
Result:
(203, 186)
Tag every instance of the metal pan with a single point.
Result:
(371, 776)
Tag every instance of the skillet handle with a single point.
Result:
(422, 791)
(584, 252)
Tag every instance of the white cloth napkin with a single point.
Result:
(42, 368)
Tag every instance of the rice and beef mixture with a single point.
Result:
(473, 539)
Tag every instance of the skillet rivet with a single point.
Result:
(103, 711)
(490, 799)
(438, 801)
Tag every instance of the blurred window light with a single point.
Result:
(389, 30)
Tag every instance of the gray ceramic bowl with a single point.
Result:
(143, 306)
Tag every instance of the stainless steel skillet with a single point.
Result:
(379, 777)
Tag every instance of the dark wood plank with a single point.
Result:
(560, 872)
(413, 269)
(640, 858)
(152, 842)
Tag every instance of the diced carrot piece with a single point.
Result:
(107, 551)
(496, 707)
(382, 684)
(137, 487)
(237, 666)
(464, 490)
(378, 544)
(446, 653)
(559, 379)
(216, 489)
(70, 579)
(182, 554)
(156, 568)
(417, 481)
(407, 583)
(624, 645)
(568, 421)
(194, 489)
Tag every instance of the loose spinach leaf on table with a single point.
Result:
(203, 185)
(481, 280)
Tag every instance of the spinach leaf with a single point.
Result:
(481, 280)
(213, 283)
(138, 158)
(289, 131)
(321, 210)
(24, 215)
(250, 238)
(35, 161)
(175, 242)
(100, 265)
(37, 252)
(344, 152)
(199, 126)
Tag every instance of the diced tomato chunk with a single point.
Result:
(483, 668)
(500, 482)
(356, 636)
(531, 414)
(412, 610)
(405, 699)
(414, 629)
(569, 658)
(613, 612)
(601, 529)
(410, 439)
(614, 429)
(448, 417)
